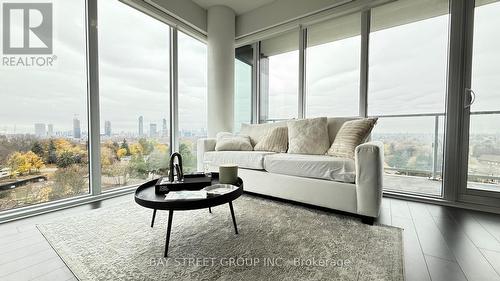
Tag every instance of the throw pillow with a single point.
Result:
(308, 136)
(227, 141)
(275, 140)
(351, 134)
(257, 131)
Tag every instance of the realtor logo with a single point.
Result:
(27, 28)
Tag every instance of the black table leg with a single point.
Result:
(153, 220)
(232, 215)
(169, 227)
(209, 210)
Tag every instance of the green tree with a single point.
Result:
(66, 159)
(158, 162)
(188, 158)
(37, 148)
(138, 167)
(51, 153)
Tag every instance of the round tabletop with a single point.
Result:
(146, 196)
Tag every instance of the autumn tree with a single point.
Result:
(122, 152)
(24, 163)
(124, 145)
(69, 182)
(147, 146)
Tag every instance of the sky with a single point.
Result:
(407, 74)
(133, 68)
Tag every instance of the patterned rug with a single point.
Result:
(276, 241)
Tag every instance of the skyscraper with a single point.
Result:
(77, 133)
(107, 128)
(141, 126)
(152, 130)
(164, 130)
(50, 130)
(40, 131)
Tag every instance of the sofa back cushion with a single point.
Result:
(308, 136)
(257, 131)
(227, 141)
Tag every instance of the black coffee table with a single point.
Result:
(145, 196)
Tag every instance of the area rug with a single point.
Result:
(276, 241)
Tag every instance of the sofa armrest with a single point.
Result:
(203, 145)
(369, 158)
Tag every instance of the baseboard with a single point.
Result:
(442, 202)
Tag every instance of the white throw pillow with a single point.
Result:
(308, 136)
(227, 141)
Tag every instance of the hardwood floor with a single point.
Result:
(440, 243)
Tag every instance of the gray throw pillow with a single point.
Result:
(275, 140)
(308, 136)
(227, 141)
(351, 134)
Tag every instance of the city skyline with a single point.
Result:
(47, 130)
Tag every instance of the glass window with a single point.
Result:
(192, 97)
(408, 57)
(43, 120)
(332, 67)
(134, 95)
(279, 66)
(243, 66)
(407, 80)
(484, 132)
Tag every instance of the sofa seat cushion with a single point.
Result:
(312, 166)
(244, 159)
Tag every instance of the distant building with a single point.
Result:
(152, 130)
(164, 130)
(107, 128)
(40, 130)
(77, 132)
(50, 130)
(141, 126)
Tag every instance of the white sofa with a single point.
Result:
(348, 185)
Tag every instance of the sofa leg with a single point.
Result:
(367, 220)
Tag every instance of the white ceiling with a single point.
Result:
(239, 6)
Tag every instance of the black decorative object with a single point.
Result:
(163, 184)
(176, 179)
(178, 167)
